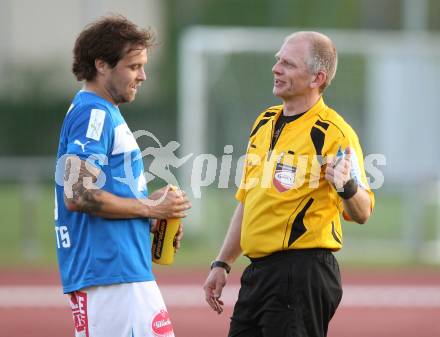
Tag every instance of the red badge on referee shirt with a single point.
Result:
(284, 177)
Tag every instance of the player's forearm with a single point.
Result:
(231, 249)
(358, 207)
(82, 195)
(104, 204)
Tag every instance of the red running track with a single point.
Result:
(195, 322)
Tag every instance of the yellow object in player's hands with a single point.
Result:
(162, 249)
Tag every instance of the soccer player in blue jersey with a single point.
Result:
(103, 211)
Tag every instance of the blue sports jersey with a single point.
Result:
(92, 250)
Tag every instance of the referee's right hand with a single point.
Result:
(213, 287)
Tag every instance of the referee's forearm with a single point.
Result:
(358, 207)
(231, 249)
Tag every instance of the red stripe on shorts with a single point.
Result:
(78, 303)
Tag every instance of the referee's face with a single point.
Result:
(292, 78)
(123, 81)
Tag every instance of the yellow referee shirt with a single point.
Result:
(287, 202)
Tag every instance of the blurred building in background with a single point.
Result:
(205, 88)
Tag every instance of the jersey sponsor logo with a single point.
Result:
(284, 177)
(161, 324)
(96, 124)
(78, 303)
(82, 145)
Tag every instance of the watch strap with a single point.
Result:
(221, 264)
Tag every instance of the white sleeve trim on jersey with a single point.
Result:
(124, 140)
(55, 210)
(96, 124)
(70, 108)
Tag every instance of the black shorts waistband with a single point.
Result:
(290, 252)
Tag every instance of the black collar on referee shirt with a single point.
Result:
(279, 125)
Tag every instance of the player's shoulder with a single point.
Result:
(270, 111)
(337, 123)
(86, 101)
(264, 117)
(86, 105)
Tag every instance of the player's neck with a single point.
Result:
(99, 90)
(300, 104)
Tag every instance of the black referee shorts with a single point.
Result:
(291, 293)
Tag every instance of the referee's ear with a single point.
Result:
(318, 80)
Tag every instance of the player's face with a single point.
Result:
(123, 81)
(291, 74)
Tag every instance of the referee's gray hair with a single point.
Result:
(323, 55)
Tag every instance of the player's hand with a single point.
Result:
(166, 203)
(337, 171)
(158, 194)
(178, 238)
(213, 287)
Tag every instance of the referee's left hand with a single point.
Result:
(213, 287)
(338, 172)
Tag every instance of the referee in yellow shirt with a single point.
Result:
(303, 168)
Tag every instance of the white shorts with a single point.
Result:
(120, 310)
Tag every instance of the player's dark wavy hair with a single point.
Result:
(108, 39)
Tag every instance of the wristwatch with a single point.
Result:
(221, 264)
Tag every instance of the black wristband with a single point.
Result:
(349, 189)
(221, 264)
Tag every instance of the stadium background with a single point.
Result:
(390, 266)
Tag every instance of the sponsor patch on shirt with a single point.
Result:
(96, 124)
(284, 177)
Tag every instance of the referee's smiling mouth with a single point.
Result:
(278, 82)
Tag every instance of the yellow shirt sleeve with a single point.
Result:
(241, 191)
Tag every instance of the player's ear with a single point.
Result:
(318, 79)
(100, 66)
